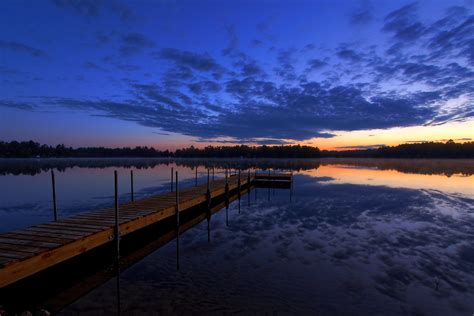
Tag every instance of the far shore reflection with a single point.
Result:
(447, 167)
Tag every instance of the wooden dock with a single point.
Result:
(28, 251)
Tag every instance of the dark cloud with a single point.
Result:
(93, 8)
(453, 35)
(161, 133)
(204, 86)
(262, 110)
(285, 68)
(247, 66)
(403, 24)
(133, 43)
(233, 45)
(308, 47)
(201, 62)
(22, 48)
(362, 146)
(17, 105)
(315, 64)
(349, 55)
(361, 17)
(249, 141)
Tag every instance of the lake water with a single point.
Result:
(354, 237)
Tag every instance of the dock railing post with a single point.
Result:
(248, 180)
(131, 184)
(226, 199)
(291, 186)
(117, 227)
(177, 221)
(55, 211)
(208, 209)
(256, 187)
(239, 189)
(238, 183)
(172, 175)
(248, 187)
(226, 187)
(212, 173)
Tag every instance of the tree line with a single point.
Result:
(450, 149)
(30, 149)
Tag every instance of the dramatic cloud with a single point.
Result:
(296, 113)
(22, 48)
(421, 73)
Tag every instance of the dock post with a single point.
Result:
(177, 222)
(196, 181)
(238, 183)
(208, 177)
(172, 175)
(208, 209)
(131, 184)
(239, 189)
(226, 199)
(213, 173)
(54, 196)
(117, 227)
(291, 186)
(226, 187)
(248, 187)
(248, 181)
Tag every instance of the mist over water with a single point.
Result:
(357, 237)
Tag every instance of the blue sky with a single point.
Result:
(175, 73)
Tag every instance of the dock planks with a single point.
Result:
(34, 249)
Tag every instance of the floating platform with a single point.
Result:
(26, 252)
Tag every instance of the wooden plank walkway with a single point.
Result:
(31, 250)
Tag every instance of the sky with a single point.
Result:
(168, 74)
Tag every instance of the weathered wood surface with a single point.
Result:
(31, 250)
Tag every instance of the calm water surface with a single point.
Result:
(357, 237)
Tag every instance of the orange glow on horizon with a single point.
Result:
(342, 174)
(458, 131)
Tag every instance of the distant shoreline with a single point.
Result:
(427, 150)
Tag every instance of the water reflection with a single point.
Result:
(356, 238)
(337, 249)
(446, 167)
(362, 175)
